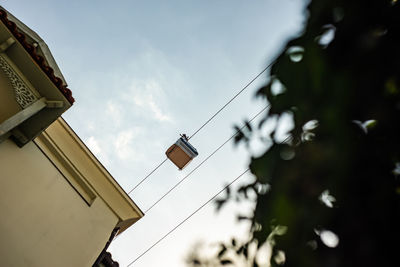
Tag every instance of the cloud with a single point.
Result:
(153, 107)
(114, 112)
(124, 145)
(145, 94)
(94, 146)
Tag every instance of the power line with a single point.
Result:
(201, 163)
(147, 176)
(233, 98)
(197, 210)
(204, 124)
(187, 218)
(198, 166)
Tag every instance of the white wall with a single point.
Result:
(44, 221)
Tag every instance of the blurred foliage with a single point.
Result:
(334, 185)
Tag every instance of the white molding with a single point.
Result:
(22, 116)
(64, 148)
(66, 167)
(7, 44)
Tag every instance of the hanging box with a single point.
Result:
(181, 153)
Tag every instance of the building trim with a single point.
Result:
(74, 177)
(88, 176)
(41, 61)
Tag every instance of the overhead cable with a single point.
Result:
(204, 124)
(201, 163)
(197, 210)
(187, 218)
(147, 176)
(233, 98)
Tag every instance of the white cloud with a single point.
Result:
(114, 111)
(91, 126)
(158, 114)
(145, 95)
(94, 146)
(124, 145)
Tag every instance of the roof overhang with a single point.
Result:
(35, 78)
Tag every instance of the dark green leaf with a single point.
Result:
(225, 262)
(222, 251)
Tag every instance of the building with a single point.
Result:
(59, 206)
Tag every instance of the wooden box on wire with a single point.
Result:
(181, 153)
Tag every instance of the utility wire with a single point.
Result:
(233, 98)
(197, 210)
(198, 166)
(204, 124)
(201, 163)
(187, 218)
(147, 176)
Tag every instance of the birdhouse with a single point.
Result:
(181, 153)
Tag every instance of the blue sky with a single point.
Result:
(142, 72)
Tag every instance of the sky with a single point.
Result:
(143, 72)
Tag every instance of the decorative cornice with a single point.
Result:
(23, 95)
(37, 58)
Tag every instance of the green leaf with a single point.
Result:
(222, 251)
(225, 262)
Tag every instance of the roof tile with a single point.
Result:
(38, 59)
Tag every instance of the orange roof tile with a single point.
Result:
(38, 59)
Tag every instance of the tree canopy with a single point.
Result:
(334, 184)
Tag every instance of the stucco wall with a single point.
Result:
(44, 221)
